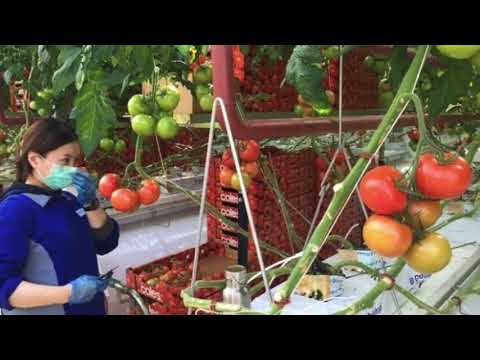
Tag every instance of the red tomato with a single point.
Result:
(440, 182)
(149, 192)
(125, 200)
(249, 150)
(226, 177)
(251, 168)
(379, 192)
(386, 236)
(108, 184)
(227, 159)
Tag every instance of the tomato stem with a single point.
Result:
(470, 213)
(420, 304)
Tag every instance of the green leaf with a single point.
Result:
(124, 84)
(102, 53)
(14, 71)
(94, 116)
(65, 52)
(184, 50)
(448, 88)
(303, 75)
(143, 58)
(399, 64)
(66, 74)
(204, 50)
(79, 78)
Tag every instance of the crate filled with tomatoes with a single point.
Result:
(161, 282)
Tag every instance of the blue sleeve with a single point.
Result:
(15, 227)
(106, 240)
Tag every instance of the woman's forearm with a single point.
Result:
(30, 295)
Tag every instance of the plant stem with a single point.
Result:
(470, 213)
(420, 304)
(346, 189)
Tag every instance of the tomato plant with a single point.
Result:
(143, 125)
(168, 98)
(249, 150)
(125, 200)
(443, 181)
(424, 213)
(379, 192)
(226, 177)
(108, 184)
(429, 255)
(203, 74)
(138, 105)
(149, 192)
(235, 181)
(251, 169)
(386, 236)
(167, 128)
(107, 144)
(227, 159)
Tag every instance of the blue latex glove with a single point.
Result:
(85, 288)
(86, 187)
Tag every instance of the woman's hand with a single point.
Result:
(86, 187)
(84, 289)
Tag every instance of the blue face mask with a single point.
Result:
(60, 176)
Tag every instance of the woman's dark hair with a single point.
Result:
(42, 137)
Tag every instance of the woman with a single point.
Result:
(49, 238)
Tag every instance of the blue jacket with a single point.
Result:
(45, 238)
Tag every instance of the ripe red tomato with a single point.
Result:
(251, 168)
(125, 200)
(149, 192)
(379, 192)
(386, 236)
(414, 135)
(441, 182)
(108, 184)
(249, 150)
(226, 177)
(227, 159)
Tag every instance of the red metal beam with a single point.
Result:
(224, 87)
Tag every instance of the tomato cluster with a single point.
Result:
(399, 226)
(261, 89)
(249, 152)
(238, 64)
(124, 199)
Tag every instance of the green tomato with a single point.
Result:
(203, 74)
(298, 110)
(167, 128)
(143, 125)
(168, 98)
(33, 105)
(386, 99)
(201, 90)
(42, 112)
(206, 102)
(138, 105)
(458, 51)
(120, 146)
(107, 144)
(46, 94)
